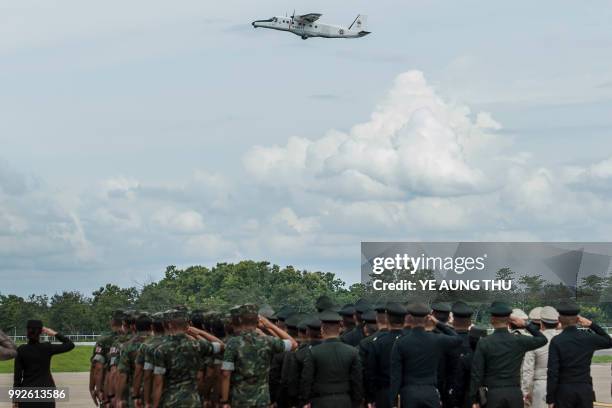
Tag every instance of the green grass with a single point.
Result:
(602, 359)
(74, 361)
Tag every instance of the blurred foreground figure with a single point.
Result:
(8, 350)
(33, 361)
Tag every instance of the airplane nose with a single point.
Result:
(253, 24)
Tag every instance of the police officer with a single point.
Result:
(569, 383)
(535, 364)
(378, 361)
(177, 363)
(415, 358)
(246, 361)
(332, 375)
(8, 350)
(498, 358)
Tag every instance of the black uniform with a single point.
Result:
(295, 373)
(377, 366)
(569, 383)
(353, 336)
(497, 366)
(332, 375)
(33, 366)
(277, 394)
(458, 383)
(446, 367)
(414, 366)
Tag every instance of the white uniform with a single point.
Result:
(534, 370)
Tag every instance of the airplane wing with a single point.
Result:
(308, 18)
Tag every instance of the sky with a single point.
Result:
(144, 134)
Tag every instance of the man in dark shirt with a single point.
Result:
(377, 364)
(498, 358)
(415, 358)
(458, 373)
(356, 334)
(569, 383)
(332, 376)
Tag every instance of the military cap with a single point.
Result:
(442, 307)
(362, 306)
(535, 313)
(419, 309)
(234, 311)
(313, 323)
(380, 307)
(329, 316)
(324, 303)
(157, 317)
(500, 309)
(294, 320)
(477, 332)
(462, 310)
(568, 308)
(395, 308)
(180, 314)
(266, 311)
(197, 314)
(347, 310)
(519, 313)
(549, 315)
(34, 324)
(369, 316)
(284, 312)
(247, 309)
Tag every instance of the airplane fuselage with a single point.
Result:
(306, 30)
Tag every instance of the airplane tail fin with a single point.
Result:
(360, 23)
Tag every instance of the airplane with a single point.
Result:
(306, 26)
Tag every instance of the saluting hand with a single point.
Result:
(518, 322)
(48, 331)
(584, 322)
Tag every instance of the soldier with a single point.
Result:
(126, 366)
(456, 390)
(282, 397)
(8, 350)
(276, 366)
(292, 369)
(535, 363)
(100, 361)
(377, 365)
(246, 361)
(348, 322)
(354, 336)
(145, 360)
(332, 375)
(535, 314)
(128, 327)
(441, 312)
(313, 338)
(178, 363)
(365, 345)
(498, 358)
(415, 358)
(569, 383)
(460, 385)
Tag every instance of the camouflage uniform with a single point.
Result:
(102, 349)
(115, 352)
(179, 359)
(127, 361)
(248, 356)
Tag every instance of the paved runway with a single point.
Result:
(79, 394)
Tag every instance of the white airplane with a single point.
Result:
(306, 26)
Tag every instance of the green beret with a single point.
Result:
(500, 309)
(462, 309)
(568, 308)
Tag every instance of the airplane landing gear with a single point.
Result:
(304, 37)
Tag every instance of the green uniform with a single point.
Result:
(178, 359)
(332, 375)
(497, 366)
(101, 351)
(248, 356)
(127, 361)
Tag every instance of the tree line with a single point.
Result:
(227, 284)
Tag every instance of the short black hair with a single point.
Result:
(550, 326)
(395, 320)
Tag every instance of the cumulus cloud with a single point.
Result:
(414, 144)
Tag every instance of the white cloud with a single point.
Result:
(186, 222)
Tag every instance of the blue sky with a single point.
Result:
(142, 134)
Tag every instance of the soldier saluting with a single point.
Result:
(497, 361)
(415, 358)
(569, 383)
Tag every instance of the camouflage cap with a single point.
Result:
(180, 314)
(158, 317)
(248, 309)
(234, 311)
(266, 311)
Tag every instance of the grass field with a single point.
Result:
(76, 360)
